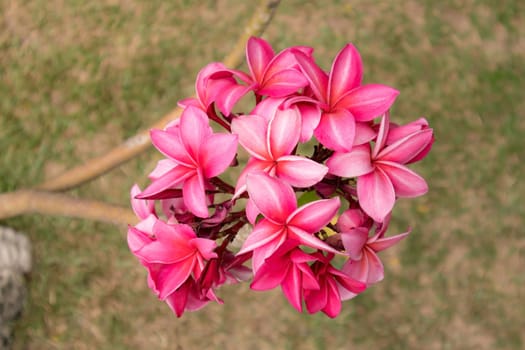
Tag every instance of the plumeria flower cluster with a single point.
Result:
(324, 168)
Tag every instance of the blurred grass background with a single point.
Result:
(79, 77)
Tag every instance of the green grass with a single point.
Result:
(77, 78)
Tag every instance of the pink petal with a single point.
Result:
(146, 225)
(137, 239)
(292, 288)
(254, 165)
(274, 198)
(142, 208)
(194, 129)
(163, 166)
(194, 196)
(406, 148)
(336, 130)
(363, 133)
(284, 131)
(267, 107)
(176, 176)
(178, 299)
(269, 276)
(351, 164)
(405, 181)
(284, 60)
(217, 154)
(258, 55)
(299, 171)
(333, 301)
(176, 235)
(252, 131)
(228, 98)
(191, 101)
(347, 282)
(311, 116)
(265, 232)
(170, 277)
(376, 271)
(382, 134)
(251, 211)
(308, 239)
(376, 194)
(354, 242)
(346, 73)
(205, 247)
(385, 243)
(316, 77)
(171, 146)
(316, 299)
(315, 215)
(397, 132)
(357, 269)
(283, 83)
(350, 219)
(201, 83)
(368, 101)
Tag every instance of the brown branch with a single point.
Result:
(140, 142)
(36, 202)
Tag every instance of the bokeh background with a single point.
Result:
(78, 77)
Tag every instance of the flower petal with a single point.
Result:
(293, 289)
(252, 131)
(170, 277)
(346, 73)
(299, 171)
(351, 164)
(310, 118)
(385, 243)
(176, 176)
(194, 196)
(263, 233)
(336, 130)
(368, 101)
(258, 55)
(283, 83)
(308, 239)
(406, 182)
(217, 154)
(376, 194)
(316, 77)
(405, 149)
(169, 144)
(354, 241)
(315, 215)
(142, 208)
(274, 198)
(194, 129)
(284, 131)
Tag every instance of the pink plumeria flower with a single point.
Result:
(173, 255)
(381, 174)
(287, 267)
(310, 112)
(270, 144)
(398, 132)
(344, 101)
(363, 263)
(270, 74)
(282, 219)
(196, 153)
(208, 89)
(188, 297)
(332, 282)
